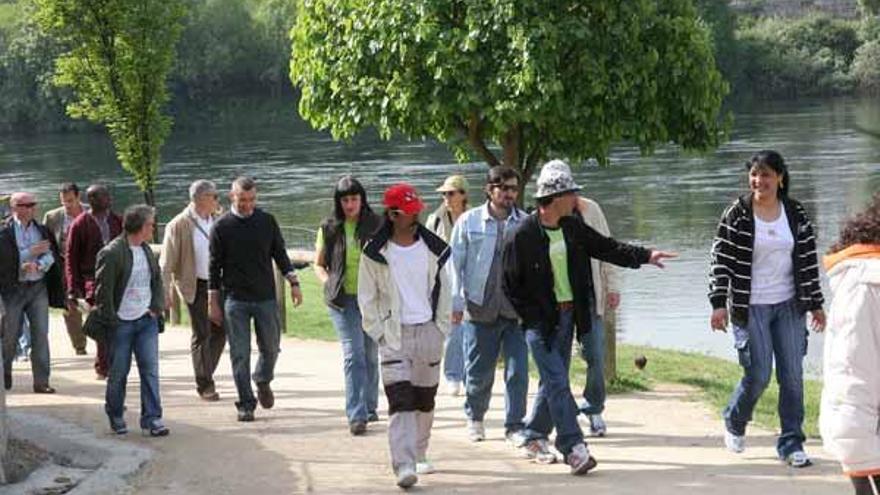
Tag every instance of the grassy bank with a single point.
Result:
(713, 378)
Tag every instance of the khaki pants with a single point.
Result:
(73, 321)
(410, 376)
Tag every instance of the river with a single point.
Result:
(670, 200)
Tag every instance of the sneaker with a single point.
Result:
(209, 396)
(734, 443)
(372, 417)
(516, 438)
(118, 426)
(798, 459)
(245, 415)
(265, 395)
(598, 428)
(453, 388)
(537, 451)
(406, 477)
(157, 429)
(476, 431)
(357, 428)
(425, 467)
(580, 460)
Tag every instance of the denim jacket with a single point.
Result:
(473, 243)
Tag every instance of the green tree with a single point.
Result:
(528, 79)
(117, 59)
(870, 7)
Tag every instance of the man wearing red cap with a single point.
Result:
(405, 302)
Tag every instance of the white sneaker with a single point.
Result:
(453, 388)
(425, 467)
(516, 438)
(406, 477)
(579, 460)
(476, 431)
(537, 451)
(734, 443)
(798, 459)
(598, 428)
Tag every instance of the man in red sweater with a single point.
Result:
(89, 233)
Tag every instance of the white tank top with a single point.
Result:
(772, 279)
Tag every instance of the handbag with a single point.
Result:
(97, 327)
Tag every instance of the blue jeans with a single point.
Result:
(238, 315)
(483, 342)
(454, 353)
(592, 347)
(780, 331)
(140, 336)
(554, 406)
(24, 340)
(361, 361)
(29, 301)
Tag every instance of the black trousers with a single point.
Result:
(208, 340)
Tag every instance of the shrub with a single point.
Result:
(866, 67)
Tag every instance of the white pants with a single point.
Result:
(410, 376)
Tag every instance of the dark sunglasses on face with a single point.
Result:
(451, 193)
(25, 205)
(506, 187)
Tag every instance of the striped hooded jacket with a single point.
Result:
(730, 274)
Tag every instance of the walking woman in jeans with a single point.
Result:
(764, 278)
(851, 392)
(338, 253)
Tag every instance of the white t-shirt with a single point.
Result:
(772, 279)
(137, 295)
(201, 245)
(409, 269)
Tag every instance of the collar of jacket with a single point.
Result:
(436, 245)
(855, 251)
(515, 214)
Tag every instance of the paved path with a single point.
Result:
(660, 442)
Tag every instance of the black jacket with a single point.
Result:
(334, 252)
(528, 274)
(10, 263)
(730, 281)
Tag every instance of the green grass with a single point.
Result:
(713, 378)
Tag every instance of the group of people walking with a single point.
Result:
(467, 287)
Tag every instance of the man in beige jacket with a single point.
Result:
(185, 259)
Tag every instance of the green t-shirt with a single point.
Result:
(559, 262)
(352, 256)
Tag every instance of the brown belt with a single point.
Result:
(565, 306)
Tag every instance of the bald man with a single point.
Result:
(30, 281)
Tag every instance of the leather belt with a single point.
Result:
(565, 306)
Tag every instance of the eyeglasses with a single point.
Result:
(448, 194)
(506, 187)
(26, 205)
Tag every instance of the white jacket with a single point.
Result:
(378, 297)
(850, 410)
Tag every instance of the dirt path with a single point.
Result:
(659, 443)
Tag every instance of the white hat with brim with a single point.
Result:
(555, 179)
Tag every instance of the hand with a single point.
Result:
(719, 320)
(72, 306)
(215, 313)
(30, 267)
(296, 295)
(819, 320)
(457, 316)
(613, 300)
(39, 248)
(657, 257)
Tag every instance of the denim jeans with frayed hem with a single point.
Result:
(360, 356)
(774, 332)
(238, 316)
(140, 337)
(592, 350)
(483, 343)
(554, 406)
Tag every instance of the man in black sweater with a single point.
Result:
(244, 242)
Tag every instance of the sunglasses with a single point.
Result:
(450, 193)
(25, 205)
(506, 187)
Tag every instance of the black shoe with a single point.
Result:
(81, 352)
(245, 415)
(265, 395)
(372, 417)
(7, 381)
(43, 389)
(209, 396)
(357, 428)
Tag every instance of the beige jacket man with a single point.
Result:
(178, 259)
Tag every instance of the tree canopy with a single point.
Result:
(117, 57)
(529, 78)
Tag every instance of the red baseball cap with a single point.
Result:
(403, 197)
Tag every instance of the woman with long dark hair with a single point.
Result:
(337, 259)
(851, 389)
(765, 278)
